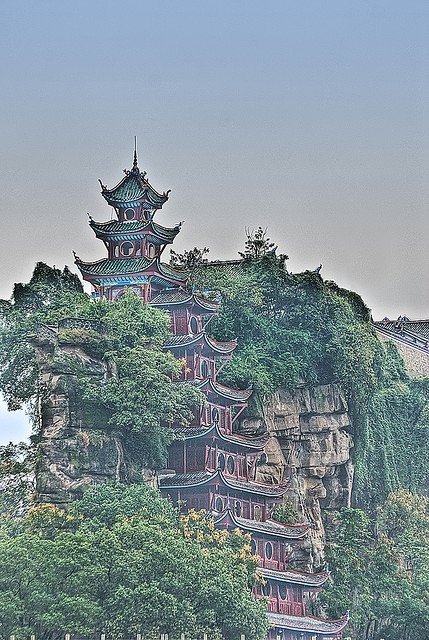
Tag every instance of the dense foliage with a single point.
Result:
(121, 562)
(141, 373)
(297, 329)
(382, 571)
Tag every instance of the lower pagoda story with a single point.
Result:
(211, 465)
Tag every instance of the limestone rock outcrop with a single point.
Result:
(71, 455)
(311, 445)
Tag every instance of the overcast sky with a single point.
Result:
(309, 118)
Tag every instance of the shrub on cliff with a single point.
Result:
(140, 397)
(299, 329)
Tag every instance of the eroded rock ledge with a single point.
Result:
(311, 445)
(72, 456)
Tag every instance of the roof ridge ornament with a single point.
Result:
(135, 164)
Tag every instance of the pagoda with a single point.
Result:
(211, 465)
(134, 242)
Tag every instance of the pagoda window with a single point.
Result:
(237, 508)
(257, 512)
(127, 248)
(253, 547)
(266, 589)
(193, 324)
(130, 214)
(268, 550)
(215, 414)
(151, 250)
(241, 467)
(230, 465)
(282, 591)
(205, 371)
(221, 462)
(116, 251)
(219, 504)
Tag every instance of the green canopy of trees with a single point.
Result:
(381, 569)
(122, 562)
(143, 375)
(297, 329)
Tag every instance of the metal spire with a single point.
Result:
(135, 167)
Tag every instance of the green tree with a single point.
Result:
(295, 329)
(380, 568)
(119, 562)
(141, 396)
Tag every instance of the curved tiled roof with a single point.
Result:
(412, 332)
(310, 624)
(188, 339)
(132, 189)
(269, 527)
(240, 395)
(180, 296)
(296, 577)
(127, 266)
(133, 228)
(202, 477)
(252, 442)
(173, 273)
(118, 266)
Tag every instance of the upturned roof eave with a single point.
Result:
(296, 577)
(239, 441)
(226, 349)
(308, 624)
(108, 194)
(249, 487)
(291, 532)
(156, 230)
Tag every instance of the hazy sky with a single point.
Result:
(309, 118)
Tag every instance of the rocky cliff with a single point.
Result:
(310, 427)
(311, 444)
(71, 455)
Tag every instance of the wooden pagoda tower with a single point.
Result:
(210, 464)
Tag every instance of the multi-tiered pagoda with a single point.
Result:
(211, 465)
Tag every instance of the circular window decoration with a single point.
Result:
(130, 214)
(127, 248)
(230, 465)
(215, 414)
(253, 547)
(282, 591)
(193, 325)
(269, 550)
(266, 589)
(237, 508)
(204, 369)
(219, 504)
(221, 462)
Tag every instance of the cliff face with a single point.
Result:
(311, 445)
(71, 456)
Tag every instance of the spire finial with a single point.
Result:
(135, 167)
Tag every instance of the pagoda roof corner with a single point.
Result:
(222, 348)
(192, 479)
(134, 187)
(178, 296)
(267, 527)
(237, 395)
(309, 624)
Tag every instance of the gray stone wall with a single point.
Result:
(416, 361)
